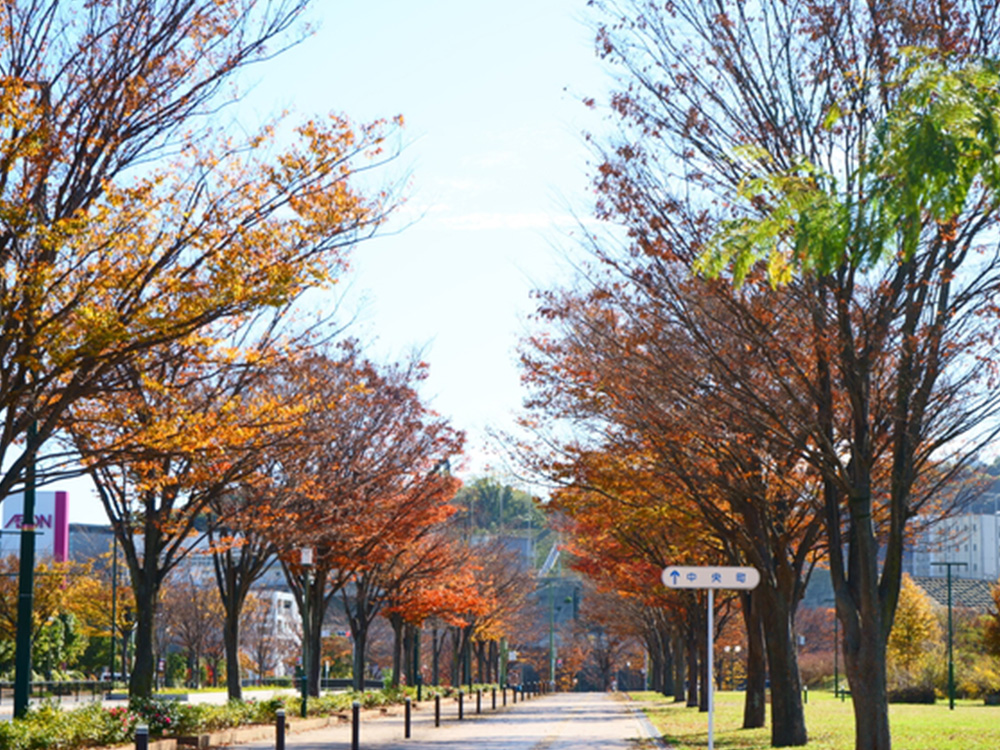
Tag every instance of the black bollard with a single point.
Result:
(479, 700)
(279, 730)
(437, 709)
(406, 723)
(493, 691)
(461, 705)
(420, 687)
(142, 737)
(355, 725)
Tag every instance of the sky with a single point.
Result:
(496, 168)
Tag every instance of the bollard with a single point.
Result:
(479, 700)
(805, 694)
(505, 695)
(437, 709)
(420, 687)
(493, 690)
(279, 730)
(406, 723)
(142, 737)
(355, 725)
(513, 694)
(461, 705)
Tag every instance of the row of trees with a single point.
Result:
(787, 351)
(154, 265)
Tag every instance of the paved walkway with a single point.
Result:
(564, 721)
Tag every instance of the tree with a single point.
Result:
(194, 618)
(492, 506)
(807, 142)
(124, 225)
(635, 366)
(129, 223)
(915, 636)
(367, 483)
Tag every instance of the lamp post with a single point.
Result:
(306, 559)
(26, 563)
(951, 662)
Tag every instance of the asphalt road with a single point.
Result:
(564, 721)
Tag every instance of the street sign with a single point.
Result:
(710, 577)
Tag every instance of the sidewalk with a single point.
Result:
(581, 721)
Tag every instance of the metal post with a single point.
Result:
(142, 737)
(479, 700)
(711, 682)
(26, 567)
(355, 725)
(406, 721)
(461, 705)
(836, 652)
(26, 587)
(504, 695)
(951, 662)
(279, 730)
(494, 692)
(437, 709)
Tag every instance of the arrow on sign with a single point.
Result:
(674, 574)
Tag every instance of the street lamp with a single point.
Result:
(951, 662)
(732, 652)
(306, 560)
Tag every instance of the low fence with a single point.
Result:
(59, 689)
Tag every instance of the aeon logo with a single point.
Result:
(41, 522)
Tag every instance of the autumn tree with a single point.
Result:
(636, 368)
(835, 148)
(128, 221)
(191, 427)
(915, 636)
(367, 482)
(58, 634)
(194, 618)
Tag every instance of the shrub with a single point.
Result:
(913, 694)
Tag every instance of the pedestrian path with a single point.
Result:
(561, 721)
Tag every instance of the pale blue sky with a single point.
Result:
(491, 95)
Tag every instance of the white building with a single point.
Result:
(972, 540)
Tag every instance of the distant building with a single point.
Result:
(971, 539)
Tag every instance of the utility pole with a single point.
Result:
(951, 661)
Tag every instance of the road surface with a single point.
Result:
(563, 721)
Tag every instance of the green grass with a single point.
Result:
(830, 723)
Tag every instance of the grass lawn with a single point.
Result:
(830, 723)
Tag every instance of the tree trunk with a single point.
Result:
(360, 636)
(755, 702)
(232, 644)
(679, 665)
(397, 647)
(692, 668)
(788, 724)
(864, 663)
(140, 683)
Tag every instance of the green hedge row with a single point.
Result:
(48, 727)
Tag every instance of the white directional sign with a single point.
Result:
(710, 577)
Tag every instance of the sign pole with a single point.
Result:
(710, 578)
(709, 679)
